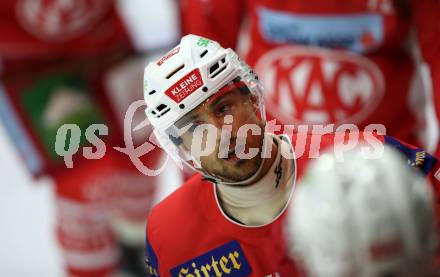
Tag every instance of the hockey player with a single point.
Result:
(207, 110)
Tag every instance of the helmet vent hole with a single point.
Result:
(203, 53)
(152, 92)
(161, 110)
(161, 107)
(182, 106)
(204, 89)
(218, 67)
(175, 71)
(217, 72)
(213, 68)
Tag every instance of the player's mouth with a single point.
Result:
(232, 154)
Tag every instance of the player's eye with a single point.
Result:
(223, 109)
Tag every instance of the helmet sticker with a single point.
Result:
(168, 55)
(185, 86)
(203, 42)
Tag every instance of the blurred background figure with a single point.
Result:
(363, 217)
(335, 62)
(81, 62)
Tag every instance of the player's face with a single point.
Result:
(243, 107)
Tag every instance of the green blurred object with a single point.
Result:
(58, 99)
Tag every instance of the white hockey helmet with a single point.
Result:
(186, 77)
(362, 217)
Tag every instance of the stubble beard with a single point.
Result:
(236, 171)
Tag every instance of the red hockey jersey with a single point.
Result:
(189, 235)
(322, 62)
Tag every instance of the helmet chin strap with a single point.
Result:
(267, 147)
